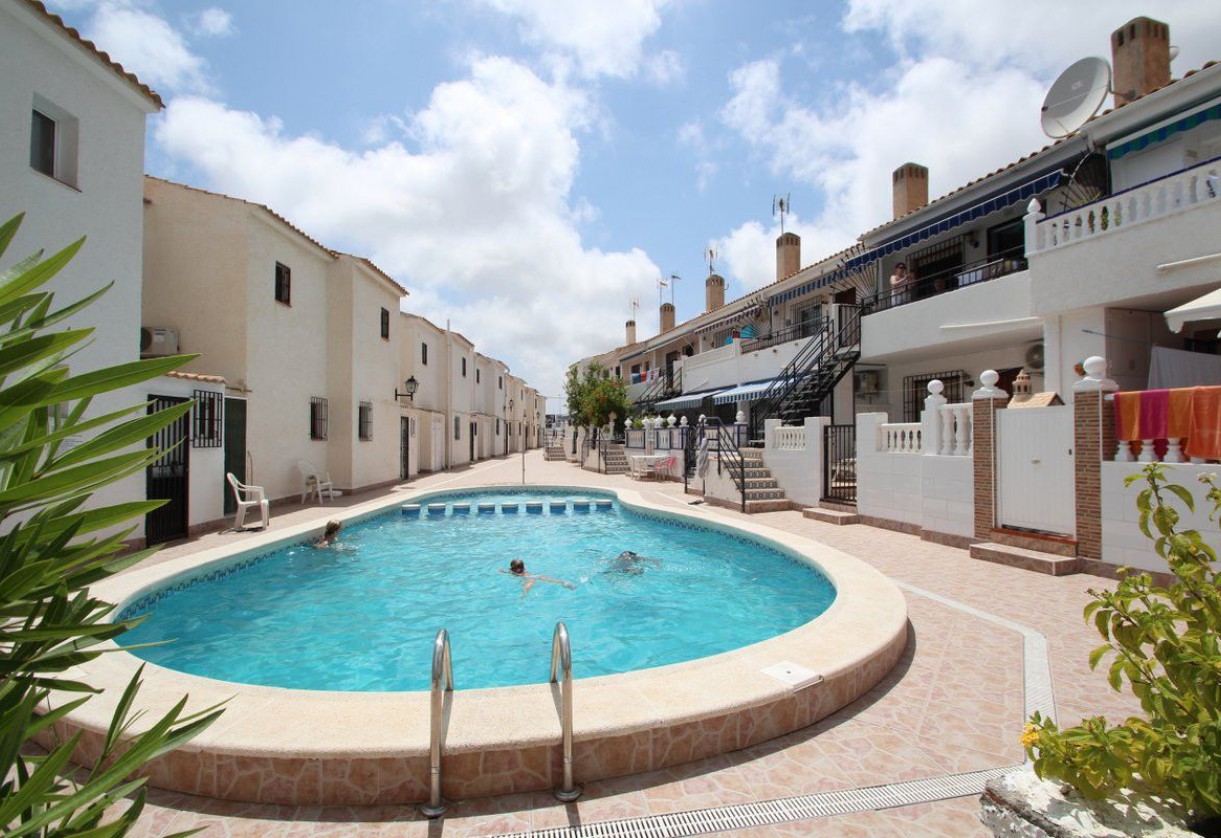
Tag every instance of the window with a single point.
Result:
(424, 354)
(457, 428)
(500, 382)
(53, 141)
(284, 284)
(207, 419)
(385, 324)
(464, 368)
(317, 418)
(365, 421)
(476, 376)
(497, 426)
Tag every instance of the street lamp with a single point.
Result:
(409, 386)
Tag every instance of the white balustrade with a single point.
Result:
(789, 439)
(901, 437)
(956, 437)
(1125, 209)
(1147, 452)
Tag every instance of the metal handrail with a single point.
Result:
(441, 667)
(561, 663)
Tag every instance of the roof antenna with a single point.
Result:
(662, 284)
(634, 305)
(782, 205)
(710, 254)
(673, 279)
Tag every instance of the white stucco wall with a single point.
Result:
(798, 472)
(1122, 541)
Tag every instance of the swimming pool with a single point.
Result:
(362, 617)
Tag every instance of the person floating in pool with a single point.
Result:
(630, 564)
(330, 536)
(517, 567)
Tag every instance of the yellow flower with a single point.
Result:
(1030, 736)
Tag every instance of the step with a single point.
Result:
(831, 516)
(761, 483)
(764, 494)
(1060, 545)
(771, 505)
(1020, 557)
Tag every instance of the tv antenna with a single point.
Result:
(1075, 97)
(782, 205)
(634, 305)
(710, 254)
(662, 285)
(673, 279)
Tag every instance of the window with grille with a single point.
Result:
(385, 324)
(284, 284)
(317, 418)
(207, 419)
(365, 420)
(915, 390)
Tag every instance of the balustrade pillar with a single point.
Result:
(934, 429)
(1093, 440)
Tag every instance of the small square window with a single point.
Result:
(284, 284)
(317, 418)
(54, 137)
(365, 421)
(424, 354)
(385, 324)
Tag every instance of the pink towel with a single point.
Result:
(1154, 414)
(1204, 441)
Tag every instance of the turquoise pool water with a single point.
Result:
(363, 617)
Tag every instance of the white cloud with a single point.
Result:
(215, 22)
(748, 253)
(147, 46)
(665, 68)
(604, 38)
(478, 221)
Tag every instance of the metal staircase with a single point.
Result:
(663, 387)
(810, 377)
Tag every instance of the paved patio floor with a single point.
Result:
(954, 702)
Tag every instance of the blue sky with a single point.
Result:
(526, 168)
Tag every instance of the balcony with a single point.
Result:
(943, 282)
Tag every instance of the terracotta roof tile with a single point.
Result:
(196, 376)
(129, 77)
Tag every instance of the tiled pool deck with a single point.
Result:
(954, 702)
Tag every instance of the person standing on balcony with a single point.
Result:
(901, 285)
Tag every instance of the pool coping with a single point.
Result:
(292, 746)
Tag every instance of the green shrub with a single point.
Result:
(1163, 643)
(54, 453)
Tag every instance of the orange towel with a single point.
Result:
(1127, 415)
(1179, 424)
(1204, 441)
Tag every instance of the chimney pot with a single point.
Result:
(714, 292)
(910, 188)
(631, 332)
(667, 317)
(1140, 58)
(788, 255)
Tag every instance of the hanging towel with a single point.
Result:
(1127, 415)
(1204, 441)
(1179, 424)
(701, 458)
(1154, 414)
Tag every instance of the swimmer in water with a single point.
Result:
(517, 568)
(632, 564)
(330, 536)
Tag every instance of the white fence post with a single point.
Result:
(931, 419)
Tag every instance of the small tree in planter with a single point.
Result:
(1165, 643)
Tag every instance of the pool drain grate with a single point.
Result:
(781, 810)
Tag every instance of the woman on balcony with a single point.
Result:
(901, 285)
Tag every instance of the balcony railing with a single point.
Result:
(799, 332)
(1155, 199)
(998, 265)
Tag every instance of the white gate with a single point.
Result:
(1035, 486)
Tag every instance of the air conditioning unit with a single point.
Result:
(1035, 357)
(867, 382)
(158, 340)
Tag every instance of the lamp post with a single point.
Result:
(410, 386)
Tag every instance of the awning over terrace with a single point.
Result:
(1164, 130)
(743, 392)
(686, 400)
(994, 202)
(1207, 307)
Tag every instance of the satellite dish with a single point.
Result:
(1075, 97)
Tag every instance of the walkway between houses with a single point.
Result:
(952, 704)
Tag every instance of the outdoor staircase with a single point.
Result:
(763, 492)
(830, 512)
(614, 460)
(809, 378)
(554, 450)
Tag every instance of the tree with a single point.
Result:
(1165, 643)
(594, 396)
(53, 546)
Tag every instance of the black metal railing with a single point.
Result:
(790, 333)
(815, 369)
(839, 463)
(665, 385)
(942, 282)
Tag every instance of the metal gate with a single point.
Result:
(839, 463)
(1034, 464)
(166, 478)
(235, 450)
(404, 448)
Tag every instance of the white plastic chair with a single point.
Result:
(248, 498)
(315, 482)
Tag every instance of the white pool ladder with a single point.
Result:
(561, 664)
(441, 667)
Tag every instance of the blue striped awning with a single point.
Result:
(686, 400)
(993, 203)
(743, 392)
(1164, 132)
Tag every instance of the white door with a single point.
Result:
(438, 444)
(1035, 478)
